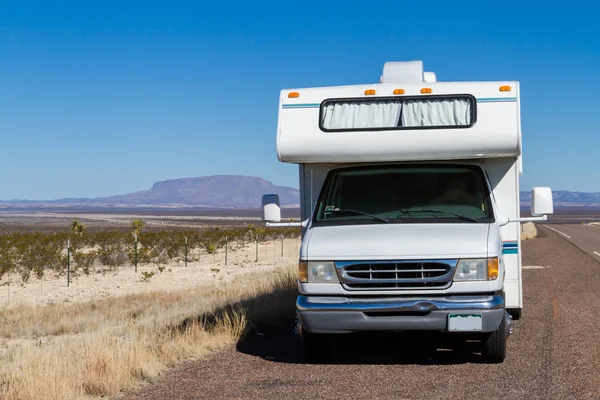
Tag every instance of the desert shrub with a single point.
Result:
(84, 260)
(146, 275)
(112, 249)
(37, 252)
(145, 255)
(138, 225)
(210, 248)
(7, 257)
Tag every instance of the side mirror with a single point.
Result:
(271, 212)
(541, 201)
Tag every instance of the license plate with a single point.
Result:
(465, 322)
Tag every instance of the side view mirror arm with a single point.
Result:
(280, 224)
(504, 221)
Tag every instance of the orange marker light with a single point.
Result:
(398, 91)
(370, 92)
(492, 268)
(505, 88)
(293, 95)
(426, 90)
(303, 271)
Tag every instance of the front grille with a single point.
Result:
(387, 275)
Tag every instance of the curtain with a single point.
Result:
(361, 115)
(450, 112)
(436, 112)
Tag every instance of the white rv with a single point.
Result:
(410, 206)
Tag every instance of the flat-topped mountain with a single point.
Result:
(218, 191)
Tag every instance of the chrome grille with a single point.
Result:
(387, 275)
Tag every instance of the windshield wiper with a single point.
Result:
(363, 213)
(459, 216)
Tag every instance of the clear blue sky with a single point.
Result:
(107, 98)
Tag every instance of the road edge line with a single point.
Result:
(576, 246)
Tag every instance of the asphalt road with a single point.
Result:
(554, 352)
(586, 237)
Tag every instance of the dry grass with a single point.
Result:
(102, 347)
(528, 231)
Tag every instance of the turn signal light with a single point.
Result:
(303, 271)
(492, 265)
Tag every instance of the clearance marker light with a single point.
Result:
(370, 92)
(293, 95)
(426, 90)
(398, 91)
(492, 268)
(505, 88)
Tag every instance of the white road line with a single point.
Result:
(532, 267)
(559, 232)
(596, 253)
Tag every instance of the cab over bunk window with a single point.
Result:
(398, 113)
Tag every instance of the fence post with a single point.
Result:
(256, 260)
(186, 250)
(68, 262)
(282, 246)
(226, 247)
(135, 245)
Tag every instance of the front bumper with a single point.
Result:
(344, 315)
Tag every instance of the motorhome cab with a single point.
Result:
(410, 206)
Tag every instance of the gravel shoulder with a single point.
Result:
(554, 352)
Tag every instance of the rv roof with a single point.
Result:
(404, 117)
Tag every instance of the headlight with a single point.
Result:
(477, 269)
(317, 272)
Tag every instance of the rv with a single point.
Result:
(409, 207)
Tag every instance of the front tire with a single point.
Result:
(494, 346)
(515, 313)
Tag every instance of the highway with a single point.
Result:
(586, 237)
(554, 352)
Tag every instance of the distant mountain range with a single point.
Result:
(236, 191)
(566, 199)
(219, 191)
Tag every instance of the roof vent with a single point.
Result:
(402, 71)
(429, 77)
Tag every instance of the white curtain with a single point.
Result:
(361, 115)
(453, 112)
(436, 112)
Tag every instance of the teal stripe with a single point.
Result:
(305, 105)
(510, 244)
(496, 99)
(480, 100)
(510, 251)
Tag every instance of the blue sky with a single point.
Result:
(107, 98)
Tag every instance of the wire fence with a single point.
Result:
(20, 260)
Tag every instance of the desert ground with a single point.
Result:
(102, 283)
(101, 218)
(115, 329)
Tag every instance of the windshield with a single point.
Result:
(404, 194)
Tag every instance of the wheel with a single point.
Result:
(315, 347)
(515, 313)
(494, 346)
